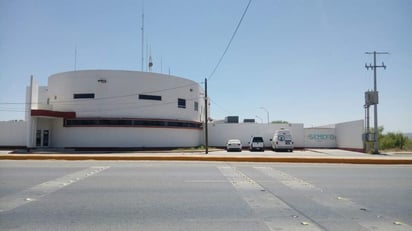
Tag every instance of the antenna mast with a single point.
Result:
(142, 34)
(75, 58)
(150, 60)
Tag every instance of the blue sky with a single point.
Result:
(301, 60)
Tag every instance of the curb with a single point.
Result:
(321, 160)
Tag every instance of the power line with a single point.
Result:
(219, 106)
(103, 98)
(231, 39)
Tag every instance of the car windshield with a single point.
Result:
(257, 139)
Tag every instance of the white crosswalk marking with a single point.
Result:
(274, 212)
(347, 210)
(35, 193)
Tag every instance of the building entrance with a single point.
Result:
(42, 138)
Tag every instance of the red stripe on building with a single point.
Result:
(58, 114)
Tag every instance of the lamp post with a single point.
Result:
(261, 120)
(267, 113)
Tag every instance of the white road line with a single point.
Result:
(35, 193)
(340, 205)
(205, 181)
(274, 212)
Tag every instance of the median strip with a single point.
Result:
(224, 158)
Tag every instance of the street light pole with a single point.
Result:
(261, 120)
(267, 113)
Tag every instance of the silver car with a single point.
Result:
(234, 145)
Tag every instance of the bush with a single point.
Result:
(394, 141)
(408, 145)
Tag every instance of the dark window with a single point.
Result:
(196, 106)
(83, 96)
(181, 103)
(257, 139)
(150, 97)
(114, 122)
(281, 138)
(38, 138)
(149, 123)
(129, 123)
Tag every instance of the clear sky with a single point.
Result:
(302, 60)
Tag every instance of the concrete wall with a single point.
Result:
(13, 133)
(123, 137)
(220, 133)
(349, 135)
(346, 135)
(320, 138)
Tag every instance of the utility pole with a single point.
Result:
(206, 120)
(375, 102)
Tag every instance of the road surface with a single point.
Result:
(116, 195)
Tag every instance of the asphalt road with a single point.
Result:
(97, 195)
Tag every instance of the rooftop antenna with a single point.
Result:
(75, 57)
(150, 60)
(142, 34)
(147, 55)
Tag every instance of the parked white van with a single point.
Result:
(282, 140)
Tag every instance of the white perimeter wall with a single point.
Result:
(138, 137)
(13, 133)
(349, 134)
(220, 133)
(320, 138)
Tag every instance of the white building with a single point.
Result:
(116, 109)
(108, 109)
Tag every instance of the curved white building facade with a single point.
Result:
(111, 109)
(115, 109)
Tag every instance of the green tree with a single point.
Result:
(280, 122)
(393, 140)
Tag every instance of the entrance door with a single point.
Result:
(42, 138)
(38, 138)
(45, 138)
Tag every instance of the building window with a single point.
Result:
(131, 123)
(150, 97)
(181, 103)
(83, 96)
(196, 106)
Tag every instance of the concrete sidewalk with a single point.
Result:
(298, 156)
